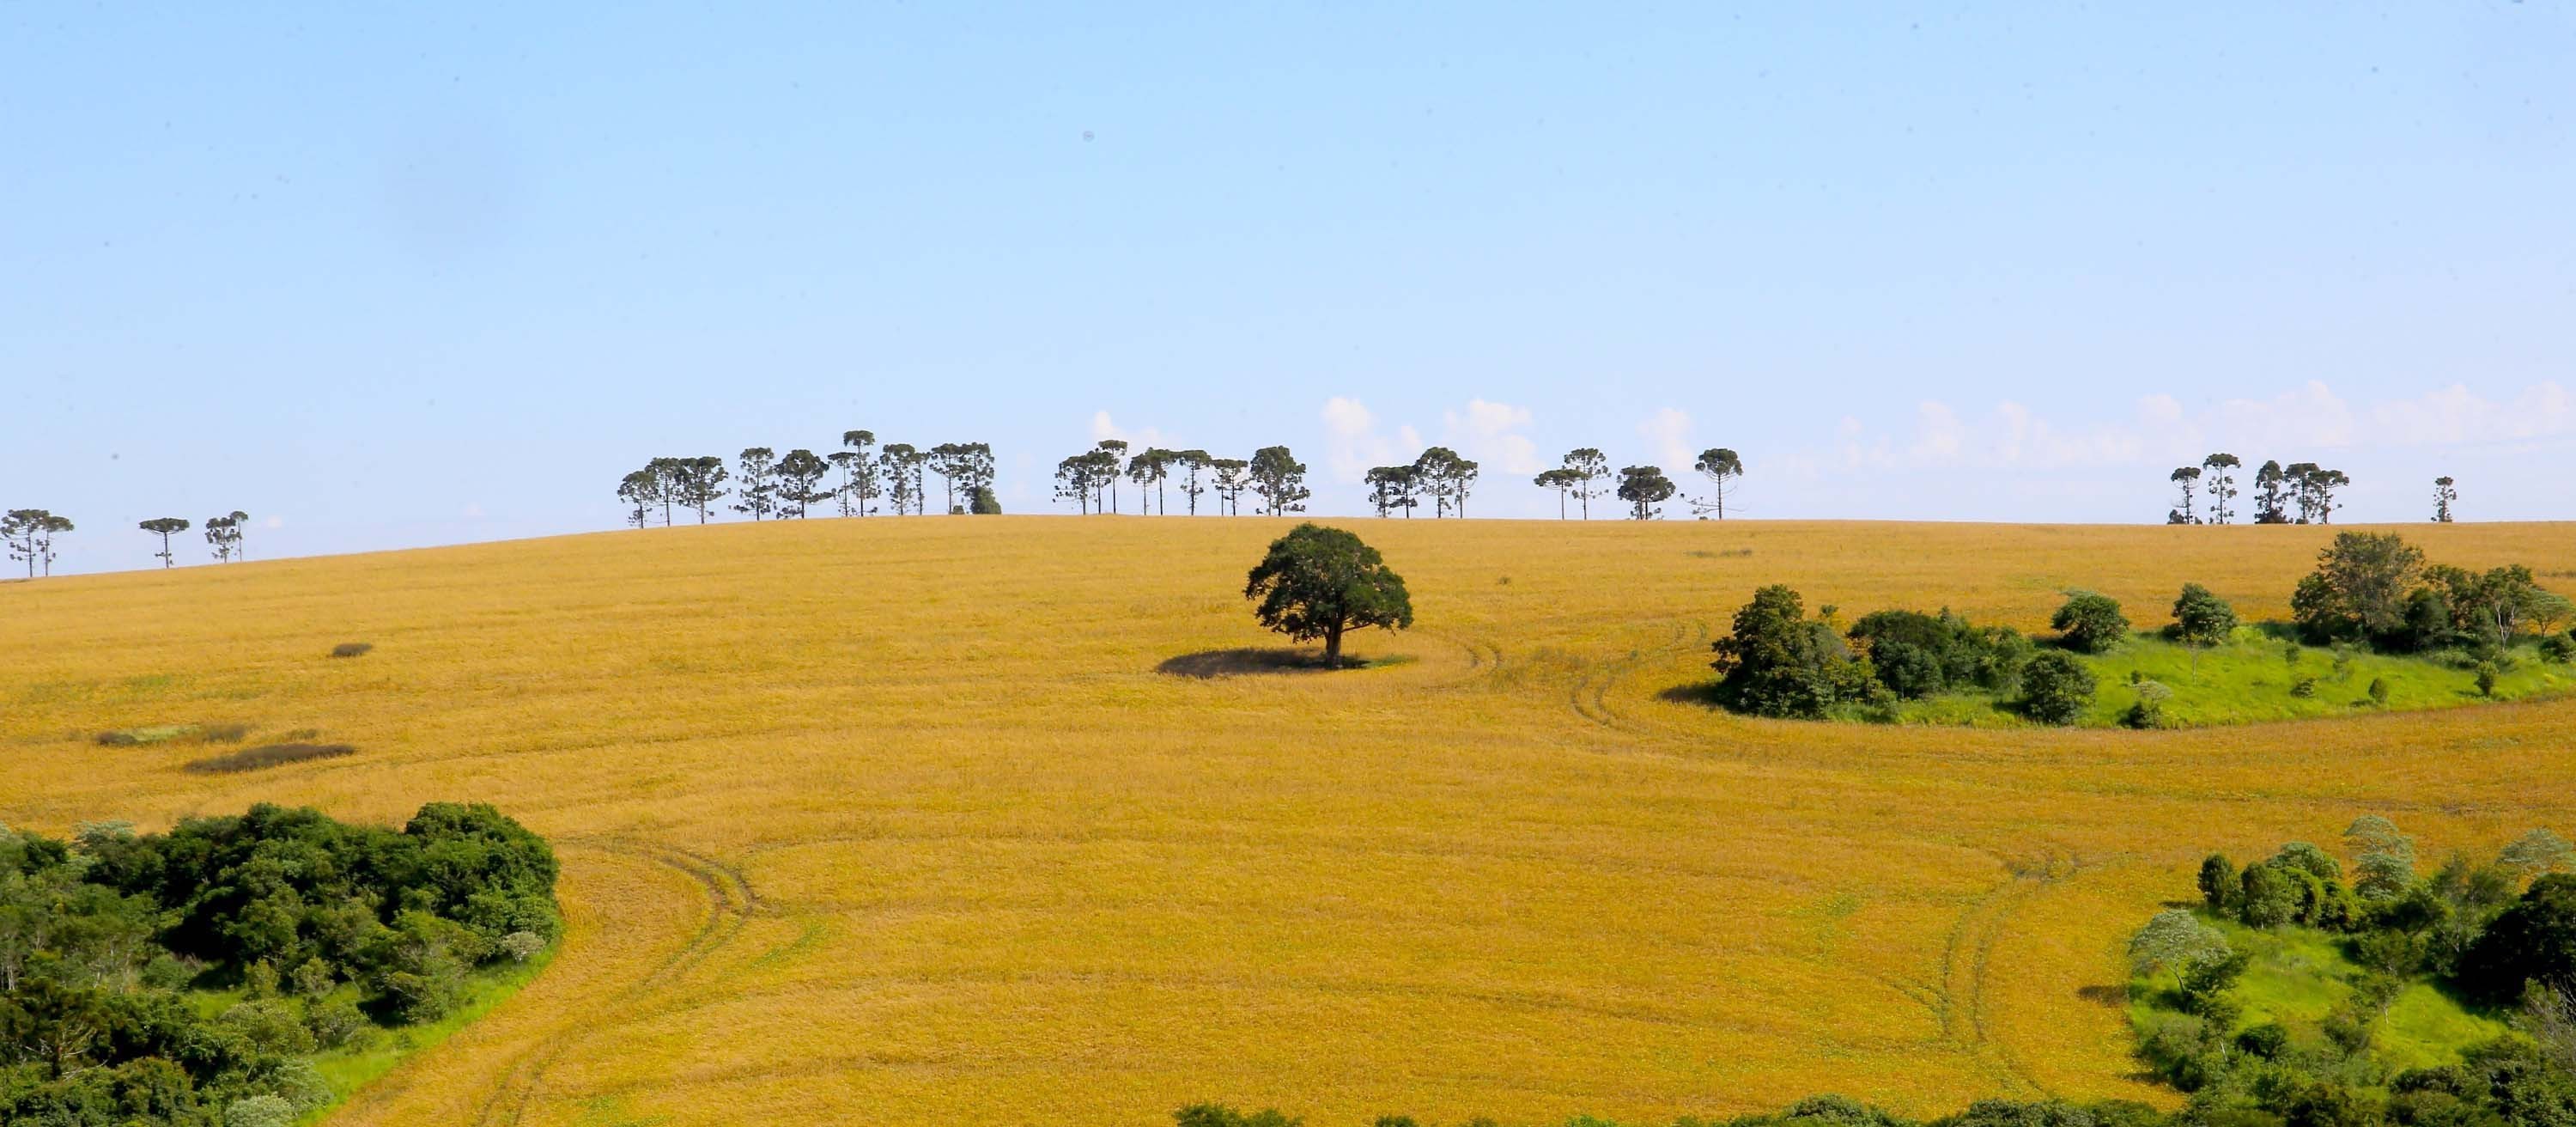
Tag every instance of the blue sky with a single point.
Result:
(386, 278)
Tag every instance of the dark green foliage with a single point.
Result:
(2359, 588)
(2219, 887)
(2379, 691)
(2559, 648)
(2056, 689)
(2535, 939)
(94, 1028)
(1779, 662)
(2090, 622)
(1219, 1115)
(1918, 655)
(2202, 618)
(1317, 582)
(982, 503)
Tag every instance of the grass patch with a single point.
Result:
(351, 1068)
(137, 737)
(352, 649)
(2297, 976)
(2251, 679)
(268, 755)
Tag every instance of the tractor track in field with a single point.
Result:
(1967, 963)
(730, 903)
(1590, 695)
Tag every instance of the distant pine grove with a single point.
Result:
(2420, 633)
(866, 479)
(194, 978)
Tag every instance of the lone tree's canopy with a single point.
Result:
(1317, 582)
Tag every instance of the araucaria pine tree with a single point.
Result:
(164, 527)
(1724, 470)
(224, 535)
(2218, 478)
(30, 536)
(2186, 477)
(758, 494)
(2443, 495)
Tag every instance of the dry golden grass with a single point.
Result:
(882, 820)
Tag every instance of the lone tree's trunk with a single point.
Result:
(1333, 644)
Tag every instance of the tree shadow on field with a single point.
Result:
(1254, 660)
(1701, 693)
(2104, 995)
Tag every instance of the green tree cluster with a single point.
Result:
(328, 928)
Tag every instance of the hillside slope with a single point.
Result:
(868, 819)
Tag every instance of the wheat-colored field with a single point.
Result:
(897, 820)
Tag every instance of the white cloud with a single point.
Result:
(1103, 428)
(2305, 421)
(1667, 434)
(1489, 433)
(273, 522)
(1351, 441)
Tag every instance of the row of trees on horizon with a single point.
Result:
(29, 534)
(2298, 493)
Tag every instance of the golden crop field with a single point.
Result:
(897, 820)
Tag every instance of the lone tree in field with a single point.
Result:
(1590, 470)
(2443, 495)
(1643, 488)
(2219, 477)
(30, 533)
(1724, 471)
(1280, 479)
(164, 527)
(2187, 477)
(224, 534)
(1318, 582)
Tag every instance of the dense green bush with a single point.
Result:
(2201, 618)
(2534, 940)
(1917, 655)
(100, 938)
(1779, 662)
(2056, 689)
(2090, 622)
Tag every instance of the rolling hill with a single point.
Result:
(944, 818)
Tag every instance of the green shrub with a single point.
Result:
(2379, 691)
(2559, 648)
(1779, 662)
(2201, 618)
(2090, 622)
(2487, 672)
(2149, 711)
(2303, 688)
(2056, 689)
